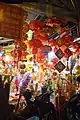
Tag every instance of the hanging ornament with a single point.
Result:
(19, 54)
(58, 30)
(43, 39)
(63, 47)
(48, 30)
(34, 50)
(68, 53)
(35, 43)
(22, 66)
(60, 66)
(54, 73)
(59, 53)
(68, 40)
(36, 24)
(59, 42)
(25, 53)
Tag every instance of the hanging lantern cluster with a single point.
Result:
(20, 46)
(47, 34)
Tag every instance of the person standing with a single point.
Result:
(4, 106)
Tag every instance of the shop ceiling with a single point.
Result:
(69, 9)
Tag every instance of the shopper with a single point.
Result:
(4, 111)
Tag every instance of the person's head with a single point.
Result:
(78, 79)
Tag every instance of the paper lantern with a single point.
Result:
(43, 34)
(53, 22)
(22, 71)
(35, 43)
(68, 53)
(58, 30)
(54, 73)
(63, 47)
(43, 39)
(22, 46)
(52, 42)
(68, 40)
(19, 54)
(25, 53)
(23, 66)
(34, 50)
(36, 24)
(59, 42)
(40, 56)
(14, 53)
(48, 30)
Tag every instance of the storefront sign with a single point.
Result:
(11, 21)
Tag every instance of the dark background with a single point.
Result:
(18, 1)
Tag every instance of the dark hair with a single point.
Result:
(78, 79)
(0, 77)
(1, 83)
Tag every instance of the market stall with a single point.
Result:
(47, 51)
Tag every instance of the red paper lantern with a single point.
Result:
(68, 53)
(40, 56)
(35, 43)
(34, 51)
(42, 39)
(54, 73)
(52, 42)
(25, 53)
(14, 53)
(36, 24)
(63, 47)
(68, 40)
(19, 53)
